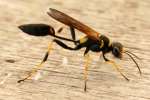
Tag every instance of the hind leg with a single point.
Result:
(38, 67)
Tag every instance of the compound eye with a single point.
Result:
(116, 52)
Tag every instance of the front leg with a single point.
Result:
(105, 57)
(115, 65)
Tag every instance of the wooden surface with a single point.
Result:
(61, 78)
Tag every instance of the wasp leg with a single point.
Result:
(87, 58)
(34, 71)
(87, 62)
(86, 51)
(115, 65)
(67, 47)
(60, 30)
(72, 30)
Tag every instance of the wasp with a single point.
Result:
(93, 41)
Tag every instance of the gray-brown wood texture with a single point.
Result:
(61, 78)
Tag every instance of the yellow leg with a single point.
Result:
(117, 68)
(87, 62)
(34, 70)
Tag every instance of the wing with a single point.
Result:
(67, 20)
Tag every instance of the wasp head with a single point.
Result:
(117, 49)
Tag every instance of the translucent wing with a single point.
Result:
(67, 20)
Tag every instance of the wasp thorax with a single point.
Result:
(117, 49)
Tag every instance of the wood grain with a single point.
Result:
(127, 21)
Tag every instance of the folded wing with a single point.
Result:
(67, 20)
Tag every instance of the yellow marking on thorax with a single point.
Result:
(102, 44)
(109, 43)
(83, 39)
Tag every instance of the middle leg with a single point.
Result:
(86, 66)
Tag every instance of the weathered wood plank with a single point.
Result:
(127, 21)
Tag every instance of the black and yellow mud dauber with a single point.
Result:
(93, 41)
